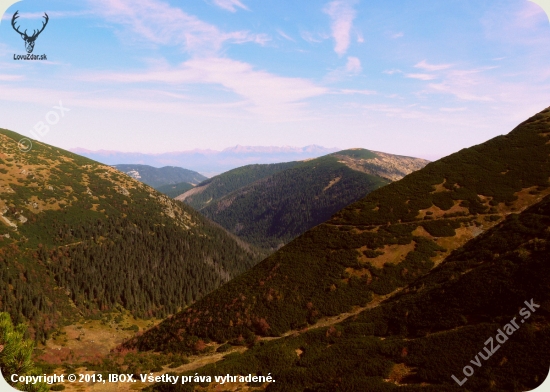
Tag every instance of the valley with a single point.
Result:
(394, 276)
(271, 196)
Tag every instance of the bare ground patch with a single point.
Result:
(192, 192)
(393, 254)
(398, 373)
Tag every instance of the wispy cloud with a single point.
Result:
(51, 14)
(460, 93)
(420, 76)
(392, 71)
(159, 23)
(230, 5)
(398, 35)
(342, 14)
(526, 25)
(285, 36)
(353, 65)
(263, 92)
(421, 113)
(397, 111)
(432, 67)
(313, 37)
(353, 92)
(470, 85)
(11, 78)
(452, 110)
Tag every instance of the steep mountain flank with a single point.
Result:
(78, 238)
(478, 322)
(277, 207)
(384, 242)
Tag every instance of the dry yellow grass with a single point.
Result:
(393, 254)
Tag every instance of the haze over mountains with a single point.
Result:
(480, 216)
(209, 162)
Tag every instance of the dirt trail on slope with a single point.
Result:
(197, 362)
(328, 321)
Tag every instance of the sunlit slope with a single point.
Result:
(78, 237)
(385, 241)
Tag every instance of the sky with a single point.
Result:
(422, 78)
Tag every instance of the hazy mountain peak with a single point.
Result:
(210, 162)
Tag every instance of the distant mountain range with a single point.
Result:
(419, 281)
(269, 205)
(209, 162)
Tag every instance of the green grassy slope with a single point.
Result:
(420, 338)
(78, 238)
(157, 177)
(387, 240)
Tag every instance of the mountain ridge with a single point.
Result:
(270, 205)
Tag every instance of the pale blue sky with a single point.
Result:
(414, 77)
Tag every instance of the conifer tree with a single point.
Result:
(15, 355)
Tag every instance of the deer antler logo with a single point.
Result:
(29, 40)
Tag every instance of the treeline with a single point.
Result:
(157, 177)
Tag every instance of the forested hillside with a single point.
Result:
(486, 306)
(273, 211)
(78, 238)
(286, 200)
(215, 188)
(157, 177)
(374, 247)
